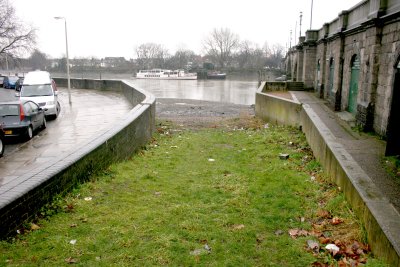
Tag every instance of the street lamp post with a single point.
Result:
(311, 14)
(66, 48)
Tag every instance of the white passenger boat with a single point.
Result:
(166, 74)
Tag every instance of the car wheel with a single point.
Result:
(1, 146)
(58, 109)
(29, 133)
(44, 124)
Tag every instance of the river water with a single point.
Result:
(236, 89)
(240, 91)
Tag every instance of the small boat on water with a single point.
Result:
(162, 74)
(216, 75)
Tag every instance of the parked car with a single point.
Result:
(40, 88)
(281, 78)
(1, 142)
(21, 118)
(9, 82)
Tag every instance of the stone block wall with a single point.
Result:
(378, 216)
(370, 30)
(388, 57)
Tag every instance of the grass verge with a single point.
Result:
(218, 196)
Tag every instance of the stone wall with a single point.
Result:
(378, 216)
(370, 30)
(23, 198)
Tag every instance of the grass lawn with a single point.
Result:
(210, 197)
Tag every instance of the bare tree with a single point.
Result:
(15, 38)
(181, 59)
(38, 60)
(151, 55)
(274, 54)
(220, 45)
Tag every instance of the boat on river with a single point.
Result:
(216, 75)
(163, 74)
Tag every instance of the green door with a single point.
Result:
(353, 91)
(331, 72)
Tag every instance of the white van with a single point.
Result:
(40, 88)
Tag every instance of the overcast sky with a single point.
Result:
(114, 28)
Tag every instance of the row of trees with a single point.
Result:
(222, 48)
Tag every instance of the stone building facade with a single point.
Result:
(354, 63)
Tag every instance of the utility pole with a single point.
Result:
(311, 14)
(301, 16)
(66, 48)
(290, 40)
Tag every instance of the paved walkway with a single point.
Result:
(367, 150)
(91, 112)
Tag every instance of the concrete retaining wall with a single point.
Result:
(23, 198)
(275, 109)
(379, 217)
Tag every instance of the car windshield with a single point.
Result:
(36, 90)
(9, 110)
(13, 79)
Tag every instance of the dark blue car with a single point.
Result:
(21, 118)
(10, 81)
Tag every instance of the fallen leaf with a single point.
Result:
(211, 160)
(88, 198)
(207, 248)
(73, 225)
(313, 245)
(71, 260)
(72, 242)
(324, 240)
(70, 207)
(319, 264)
(238, 226)
(34, 227)
(278, 232)
(294, 233)
(336, 220)
(323, 214)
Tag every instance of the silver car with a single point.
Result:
(40, 88)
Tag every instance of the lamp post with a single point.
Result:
(66, 48)
(301, 16)
(311, 14)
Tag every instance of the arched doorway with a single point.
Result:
(353, 90)
(330, 77)
(319, 86)
(393, 129)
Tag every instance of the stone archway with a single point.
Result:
(393, 129)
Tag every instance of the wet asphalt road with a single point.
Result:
(91, 112)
